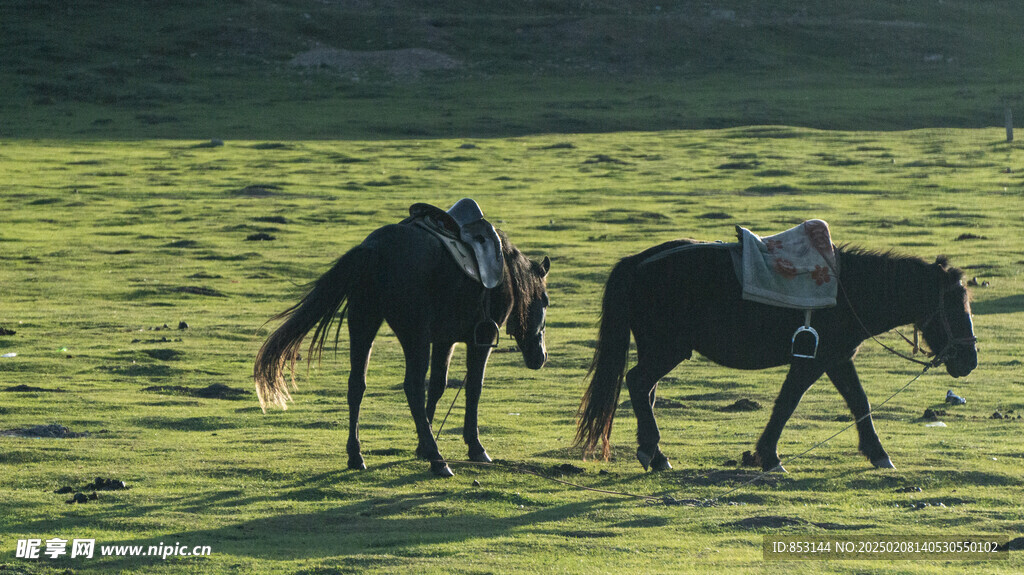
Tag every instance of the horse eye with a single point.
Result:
(544, 300)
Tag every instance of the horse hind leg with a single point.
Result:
(440, 357)
(641, 382)
(362, 329)
(417, 360)
(844, 378)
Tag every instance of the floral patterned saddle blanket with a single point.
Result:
(795, 269)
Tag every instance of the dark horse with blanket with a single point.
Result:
(690, 299)
(402, 274)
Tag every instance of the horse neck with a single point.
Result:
(884, 291)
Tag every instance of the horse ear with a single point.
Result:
(942, 262)
(546, 266)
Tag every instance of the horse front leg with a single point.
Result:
(844, 377)
(476, 363)
(802, 374)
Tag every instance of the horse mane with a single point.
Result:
(521, 280)
(901, 260)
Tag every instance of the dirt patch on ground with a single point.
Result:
(163, 354)
(407, 64)
(199, 290)
(742, 405)
(767, 522)
(728, 477)
(214, 391)
(29, 389)
(1013, 545)
(52, 430)
(587, 534)
(567, 469)
(258, 190)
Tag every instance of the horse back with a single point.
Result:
(687, 296)
(417, 283)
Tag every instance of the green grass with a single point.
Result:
(117, 221)
(104, 242)
(99, 70)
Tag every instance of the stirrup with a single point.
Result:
(808, 347)
(486, 334)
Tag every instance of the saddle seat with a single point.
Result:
(471, 240)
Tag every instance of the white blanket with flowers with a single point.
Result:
(795, 269)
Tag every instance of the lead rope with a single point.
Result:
(831, 437)
(668, 499)
(457, 391)
(935, 362)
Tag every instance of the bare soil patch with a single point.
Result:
(52, 430)
(213, 391)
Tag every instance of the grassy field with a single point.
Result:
(199, 70)
(104, 243)
(587, 131)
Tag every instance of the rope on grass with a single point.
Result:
(668, 499)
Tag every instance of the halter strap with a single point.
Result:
(939, 358)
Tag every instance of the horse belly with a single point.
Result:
(695, 299)
(743, 338)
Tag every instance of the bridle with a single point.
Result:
(952, 343)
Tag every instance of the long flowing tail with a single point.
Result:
(597, 409)
(318, 308)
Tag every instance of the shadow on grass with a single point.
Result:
(1008, 304)
(398, 525)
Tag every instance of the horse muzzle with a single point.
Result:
(960, 363)
(535, 357)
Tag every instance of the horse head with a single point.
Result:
(947, 327)
(529, 311)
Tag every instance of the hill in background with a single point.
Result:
(362, 69)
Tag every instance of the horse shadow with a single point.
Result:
(1008, 304)
(395, 525)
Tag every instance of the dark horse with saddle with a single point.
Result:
(443, 277)
(438, 278)
(685, 296)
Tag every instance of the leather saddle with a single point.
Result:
(471, 239)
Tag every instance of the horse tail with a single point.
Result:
(318, 308)
(597, 410)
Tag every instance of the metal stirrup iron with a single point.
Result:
(486, 332)
(807, 348)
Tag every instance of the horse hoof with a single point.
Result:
(356, 463)
(644, 458)
(883, 463)
(777, 469)
(480, 457)
(440, 468)
(660, 463)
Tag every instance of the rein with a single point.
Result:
(939, 358)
